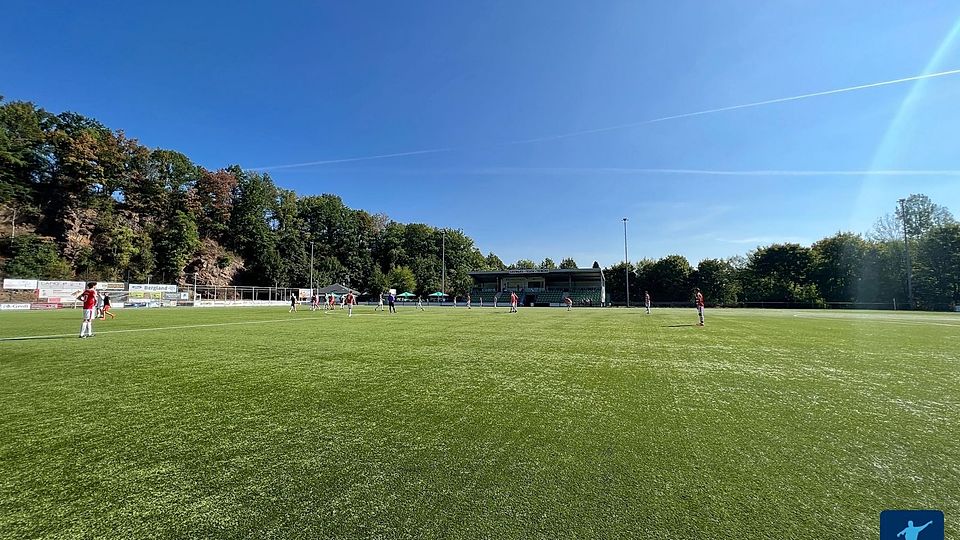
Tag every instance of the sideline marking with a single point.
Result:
(876, 318)
(158, 328)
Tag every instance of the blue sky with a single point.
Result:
(264, 84)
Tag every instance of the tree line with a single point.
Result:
(81, 201)
(843, 268)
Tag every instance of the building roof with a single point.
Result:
(337, 288)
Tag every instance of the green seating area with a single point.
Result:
(583, 296)
(553, 297)
(505, 298)
(486, 296)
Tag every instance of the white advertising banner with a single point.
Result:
(61, 285)
(4, 307)
(111, 286)
(20, 284)
(60, 291)
(152, 287)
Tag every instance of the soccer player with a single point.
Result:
(646, 300)
(468, 301)
(513, 302)
(569, 302)
(420, 303)
(392, 303)
(379, 304)
(350, 300)
(699, 297)
(481, 300)
(105, 310)
(293, 302)
(331, 302)
(89, 299)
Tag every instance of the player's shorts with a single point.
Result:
(106, 308)
(88, 314)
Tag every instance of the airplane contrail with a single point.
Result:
(346, 160)
(631, 124)
(781, 172)
(722, 172)
(737, 107)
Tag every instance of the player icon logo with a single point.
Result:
(911, 525)
(910, 532)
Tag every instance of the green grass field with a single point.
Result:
(256, 423)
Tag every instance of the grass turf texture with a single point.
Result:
(477, 424)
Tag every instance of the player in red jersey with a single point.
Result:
(89, 299)
(699, 297)
(513, 302)
(350, 301)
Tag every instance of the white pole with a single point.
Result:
(626, 261)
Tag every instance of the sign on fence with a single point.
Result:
(152, 287)
(5, 307)
(20, 284)
(59, 291)
(62, 285)
(111, 286)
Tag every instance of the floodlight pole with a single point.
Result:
(443, 259)
(626, 261)
(312, 291)
(906, 246)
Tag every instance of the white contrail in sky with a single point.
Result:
(347, 160)
(737, 107)
(717, 172)
(631, 124)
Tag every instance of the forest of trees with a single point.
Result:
(79, 200)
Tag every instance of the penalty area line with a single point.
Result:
(158, 329)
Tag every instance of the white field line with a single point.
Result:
(881, 319)
(162, 328)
